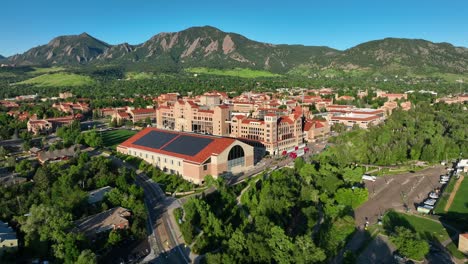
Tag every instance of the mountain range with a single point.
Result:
(210, 47)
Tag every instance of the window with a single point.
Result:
(236, 157)
(205, 167)
(178, 163)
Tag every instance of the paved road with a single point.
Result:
(392, 192)
(166, 247)
(163, 240)
(271, 162)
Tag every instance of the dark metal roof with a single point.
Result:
(187, 145)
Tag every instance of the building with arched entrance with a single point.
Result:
(193, 156)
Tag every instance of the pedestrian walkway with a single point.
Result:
(453, 193)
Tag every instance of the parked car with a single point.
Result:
(433, 195)
(369, 177)
(429, 207)
(445, 178)
(430, 202)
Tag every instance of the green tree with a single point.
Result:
(281, 245)
(351, 197)
(86, 257)
(409, 244)
(306, 251)
(352, 175)
(299, 163)
(114, 237)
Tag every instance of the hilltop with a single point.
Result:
(212, 48)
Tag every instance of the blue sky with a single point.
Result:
(338, 24)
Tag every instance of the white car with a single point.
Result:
(430, 202)
(433, 195)
(443, 182)
(430, 207)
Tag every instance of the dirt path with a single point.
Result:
(453, 193)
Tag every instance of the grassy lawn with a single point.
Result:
(139, 75)
(403, 169)
(427, 228)
(237, 72)
(460, 203)
(439, 209)
(59, 80)
(114, 137)
(454, 251)
(38, 70)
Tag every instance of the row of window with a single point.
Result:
(146, 156)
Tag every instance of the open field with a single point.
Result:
(139, 75)
(114, 137)
(453, 249)
(399, 170)
(440, 206)
(427, 228)
(59, 80)
(460, 203)
(38, 70)
(237, 72)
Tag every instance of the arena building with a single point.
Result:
(193, 156)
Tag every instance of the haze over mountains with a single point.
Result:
(210, 47)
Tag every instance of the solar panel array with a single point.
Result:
(188, 145)
(175, 143)
(155, 139)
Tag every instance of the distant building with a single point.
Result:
(12, 179)
(112, 219)
(30, 97)
(190, 117)
(275, 133)
(463, 165)
(463, 243)
(141, 114)
(57, 155)
(44, 126)
(8, 239)
(392, 97)
(65, 95)
(167, 98)
(121, 116)
(352, 119)
(193, 156)
(69, 107)
(460, 99)
(97, 195)
(9, 104)
(315, 129)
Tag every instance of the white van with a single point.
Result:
(369, 177)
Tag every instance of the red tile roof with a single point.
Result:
(216, 146)
(286, 119)
(140, 111)
(465, 235)
(206, 111)
(313, 123)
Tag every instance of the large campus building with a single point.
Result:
(191, 117)
(276, 133)
(193, 156)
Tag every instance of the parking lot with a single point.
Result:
(392, 192)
